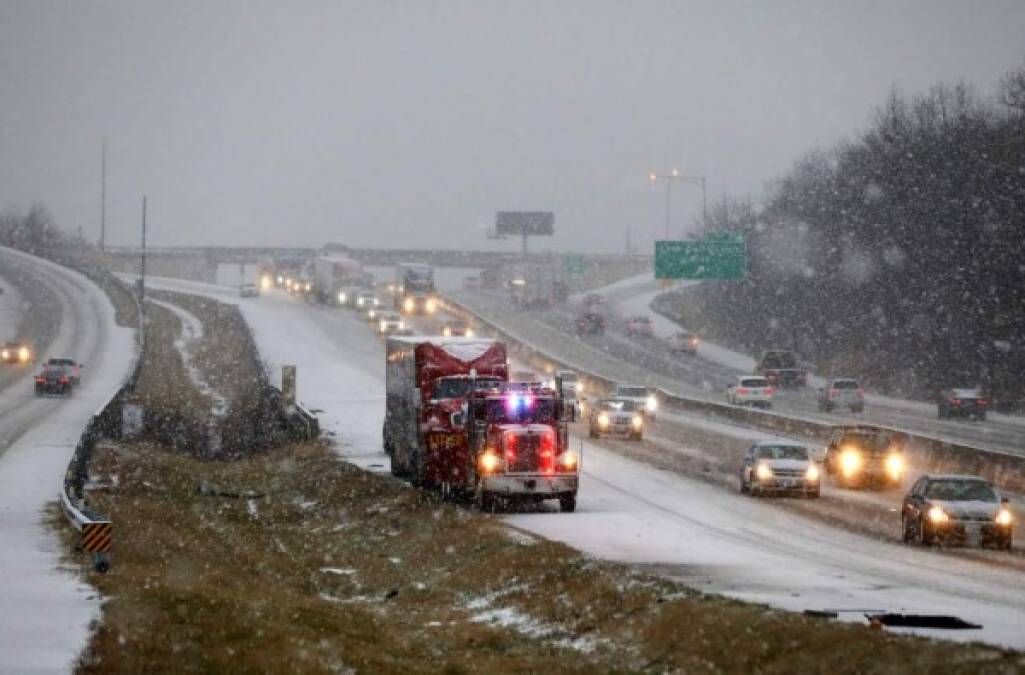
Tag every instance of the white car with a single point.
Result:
(753, 390)
(389, 323)
(842, 392)
(779, 467)
(683, 343)
(617, 417)
(366, 299)
(644, 398)
(248, 291)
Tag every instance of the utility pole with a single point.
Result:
(103, 196)
(628, 240)
(675, 175)
(142, 276)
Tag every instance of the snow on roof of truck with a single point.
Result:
(338, 259)
(463, 348)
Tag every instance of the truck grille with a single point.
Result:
(527, 457)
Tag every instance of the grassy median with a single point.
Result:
(293, 561)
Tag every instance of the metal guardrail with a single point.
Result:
(1005, 470)
(96, 530)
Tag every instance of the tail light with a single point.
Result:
(861, 392)
(983, 401)
(741, 390)
(956, 401)
(40, 380)
(64, 380)
(509, 446)
(769, 391)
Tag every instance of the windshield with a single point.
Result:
(632, 392)
(867, 442)
(619, 405)
(754, 382)
(457, 387)
(960, 491)
(781, 452)
(845, 384)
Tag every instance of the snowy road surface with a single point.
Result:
(45, 612)
(706, 536)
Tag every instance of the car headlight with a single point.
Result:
(402, 325)
(372, 314)
(490, 462)
(895, 465)
(281, 279)
(384, 326)
(763, 472)
(1004, 517)
(447, 332)
(637, 422)
(938, 515)
(5, 354)
(342, 297)
(651, 405)
(23, 354)
(360, 301)
(430, 305)
(812, 474)
(850, 462)
(469, 332)
(603, 420)
(308, 286)
(376, 302)
(409, 305)
(580, 387)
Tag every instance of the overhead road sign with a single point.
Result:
(719, 259)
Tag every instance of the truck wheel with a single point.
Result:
(568, 503)
(939, 413)
(744, 487)
(486, 502)
(905, 530)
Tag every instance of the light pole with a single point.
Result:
(675, 175)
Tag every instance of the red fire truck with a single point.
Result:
(427, 380)
(517, 436)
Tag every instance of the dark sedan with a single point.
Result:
(54, 380)
(961, 403)
(956, 509)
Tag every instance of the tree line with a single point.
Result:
(897, 256)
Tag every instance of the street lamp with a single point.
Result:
(675, 175)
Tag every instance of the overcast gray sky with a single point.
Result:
(410, 123)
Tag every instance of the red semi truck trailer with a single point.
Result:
(427, 380)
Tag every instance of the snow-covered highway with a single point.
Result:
(709, 537)
(45, 612)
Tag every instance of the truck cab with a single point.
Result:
(517, 436)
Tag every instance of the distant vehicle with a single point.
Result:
(365, 298)
(842, 392)
(861, 455)
(249, 291)
(590, 323)
(683, 343)
(299, 286)
(753, 390)
(414, 288)
(73, 368)
(643, 397)
(53, 380)
(456, 328)
(779, 467)
(370, 313)
(346, 296)
(19, 352)
(332, 273)
(781, 368)
(639, 326)
(523, 376)
(617, 417)
(961, 403)
(569, 381)
(956, 509)
(390, 323)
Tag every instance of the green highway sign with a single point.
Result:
(573, 264)
(717, 259)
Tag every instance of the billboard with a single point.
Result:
(529, 223)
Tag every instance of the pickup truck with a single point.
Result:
(781, 369)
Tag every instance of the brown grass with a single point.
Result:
(226, 584)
